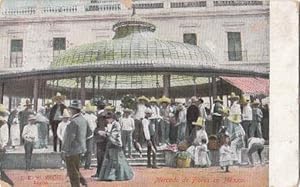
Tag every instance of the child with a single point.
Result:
(226, 155)
(61, 130)
(202, 160)
(30, 136)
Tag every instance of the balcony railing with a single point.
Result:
(109, 5)
(237, 55)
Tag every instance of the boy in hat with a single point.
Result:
(61, 130)
(30, 136)
(246, 117)
(257, 116)
(54, 118)
(23, 116)
(91, 118)
(165, 111)
(74, 143)
(127, 127)
(192, 115)
(150, 140)
(217, 109)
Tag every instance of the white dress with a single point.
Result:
(15, 132)
(197, 147)
(226, 155)
(201, 156)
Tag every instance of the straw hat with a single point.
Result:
(199, 122)
(235, 118)
(194, 99)
(75, 104)
(148, 111)
(143, 98)
(58, 97)
(165, 99)
(109, 107)
(244, 100)
(31, 117)
(233, 96)
(127, 110)
(2, 119)
(28, 103)
(218, 99)
(153, 100)
(3, 110)
(225, 111)
(90, 108)
(66, 114)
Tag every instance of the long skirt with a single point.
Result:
(115, 166)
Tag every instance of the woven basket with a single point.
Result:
(183, 163)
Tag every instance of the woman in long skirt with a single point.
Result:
(115, 166)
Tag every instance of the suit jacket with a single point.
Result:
(53, 110)
(76, 135)
(192, 113)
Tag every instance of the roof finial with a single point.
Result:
(133, 10)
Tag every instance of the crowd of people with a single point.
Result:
(78, 130)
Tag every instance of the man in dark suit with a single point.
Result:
(192, 115)
(55, 117)
(74, 143)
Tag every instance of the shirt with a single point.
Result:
(61, 129)
(30, 133)
(155, 112)
(182, 116)
(235, 108)
(140, 111)
(202, 111)
(247, 113)
(3, 135)
(57, 115)
(92, 120)
(127, 124)
(146, 124)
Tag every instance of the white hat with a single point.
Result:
(148, 111)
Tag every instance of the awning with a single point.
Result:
(249, 85)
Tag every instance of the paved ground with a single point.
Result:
(173, 177)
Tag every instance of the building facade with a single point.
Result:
(33, 33)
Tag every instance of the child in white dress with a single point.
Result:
(201, 155)
(226, 155)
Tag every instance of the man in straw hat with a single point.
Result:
(61, 130)
(246, 117)
(257, 115)
(91, 118)
(192, 115)
(155, 118)
(138, 116)
(235, 107)
(54, 118)
(165, 111)
(3, 144)
(23, 116)
(127, 127)
(150, 140)
(30, 136)
(217, 110)
(74, 143)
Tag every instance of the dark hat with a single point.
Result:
(109, 115)
(75, 104)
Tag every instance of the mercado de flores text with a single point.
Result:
(179, 53)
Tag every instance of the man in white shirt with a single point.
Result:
(30, 135)
(150, 140)
(246, 118)
(155, 119)
(255, 145)
(127, 127)
(138, 116)
(181, 123)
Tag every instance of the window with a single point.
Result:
(16, 53)
(188, 4)
(59, 45)
(190, 38)
(234, 46)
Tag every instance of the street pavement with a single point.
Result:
(174, 177)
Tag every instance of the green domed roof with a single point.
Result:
(134, 44)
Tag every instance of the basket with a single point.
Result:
(183, 163)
